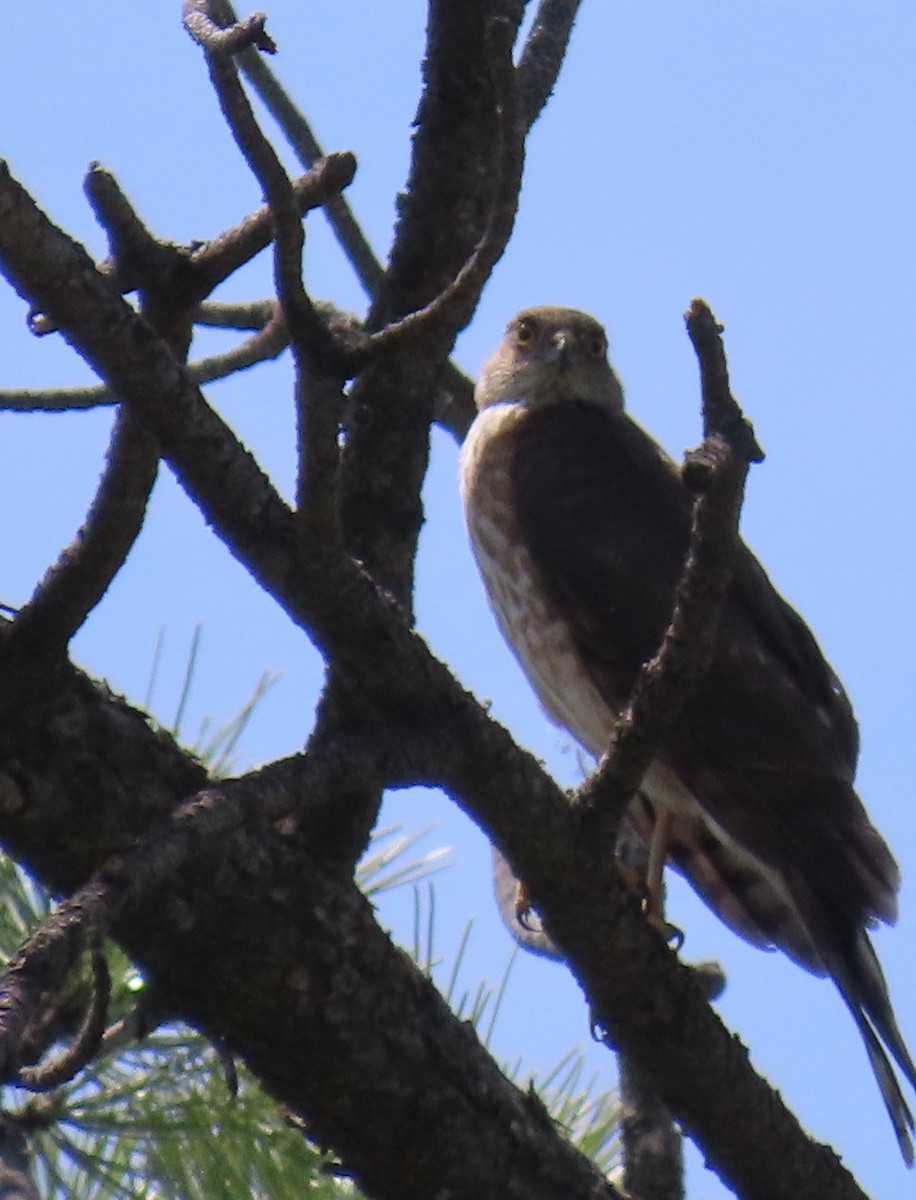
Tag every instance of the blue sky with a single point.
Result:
(759, 155)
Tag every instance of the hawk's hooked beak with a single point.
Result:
(561, 345)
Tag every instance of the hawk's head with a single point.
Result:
(550, 354)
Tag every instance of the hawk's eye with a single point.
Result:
(526, 333)
(596, 345)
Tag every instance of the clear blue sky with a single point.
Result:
(759, 155)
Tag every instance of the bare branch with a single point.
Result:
(217, 40)
(455, 304)
(76, 399)
(306, 330)
(652, 1147)
(318, 187)
(60, 278)
(319, 371)
(298, 133)
(83, 572)
(41, 966)
(244, 314)
(63, 1067)
(454, 403)
(267, 343)
(543, 54)
(176, 278)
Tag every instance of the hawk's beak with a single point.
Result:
(560, 349)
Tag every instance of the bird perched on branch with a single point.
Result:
(580, 523)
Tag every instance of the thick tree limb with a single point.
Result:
(352, 1037)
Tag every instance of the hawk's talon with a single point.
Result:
(673, 936)
(671, 933)
(523, 908)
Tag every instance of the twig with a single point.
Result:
(244, 314)
(83, 572)
(320, 369)
(306, 330)
(188, 274)
(63, 1067)
(301, 138)
(207, 266)
(267, 343)
(59, 277)
(716, 474)
(318, 187)
(217, 40)
(77, 399)
(41, 965)
(454, 407)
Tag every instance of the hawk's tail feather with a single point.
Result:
(897, 1107)
(862, 985)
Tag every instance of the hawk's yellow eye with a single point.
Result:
(526, 333)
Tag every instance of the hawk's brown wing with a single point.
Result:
(766, 744)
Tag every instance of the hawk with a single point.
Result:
(579, 523)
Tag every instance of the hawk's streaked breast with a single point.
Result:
(535, 631)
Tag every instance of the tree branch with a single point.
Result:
(63, 1067)
(320, 372)
(16, 1181)
(218, 40)
(298, 133)
(543, 55)
(83, 572)
(353, 1028)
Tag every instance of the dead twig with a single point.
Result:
(64, 1066)
(231, 40)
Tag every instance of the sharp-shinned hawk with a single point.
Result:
(579, 523)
